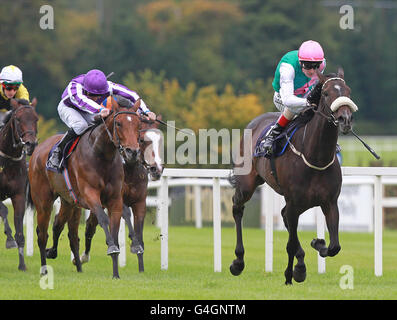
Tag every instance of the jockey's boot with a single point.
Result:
(55, 160)
(266, 144)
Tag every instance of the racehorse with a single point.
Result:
(17, 138)
(307, 174)
(135, 191)
(96, 175)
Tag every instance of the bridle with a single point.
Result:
(16, 136)
(330, 117)
(117, 143)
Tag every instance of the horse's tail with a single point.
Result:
(29, 201)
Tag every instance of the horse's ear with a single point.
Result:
(320, 76)
(14, 104)
(136, 105)
(115, 105)
(34, 102)
(341, 73)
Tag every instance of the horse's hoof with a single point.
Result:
(84, 258)
(113, 250)
(22, 267)
(288, 282)
(11, 244)
(51, 253)
(116, 277)
(137, 249)
(299, 274)
(318, 244)
(236, 267)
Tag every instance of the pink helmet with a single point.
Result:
(310, 51)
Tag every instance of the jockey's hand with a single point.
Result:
(151, 116)
(104, 112)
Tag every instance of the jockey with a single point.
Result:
(11, 87)
(294, 79)
(81, 102)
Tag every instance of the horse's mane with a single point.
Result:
(23, 102)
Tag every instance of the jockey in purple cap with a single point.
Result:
(81, 102)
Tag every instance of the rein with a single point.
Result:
(118, 145)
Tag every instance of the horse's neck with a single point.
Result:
(319, 140)
(101, 143)
(7, 141)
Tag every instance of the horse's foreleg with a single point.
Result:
(127, 218)
(18, 203)
(10, 242)
(291, 217)
(299, 273)
(43, 219)
(331, 213)
(139, 210)
(73, 226)
(115, 209)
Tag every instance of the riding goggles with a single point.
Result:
(307, 65)
(10, 86)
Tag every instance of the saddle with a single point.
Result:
(281, 142)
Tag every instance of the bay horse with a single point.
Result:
(135, 190)
(96, 177)
(307, 174)
(17, 138)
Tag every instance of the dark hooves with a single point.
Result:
(11, 244)
(113, 250)
(236, 267)
(299, 274)
(137, 249)
(51, 253)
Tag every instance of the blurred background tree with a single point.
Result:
(202, 63)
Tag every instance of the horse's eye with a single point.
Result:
(325, 94)
(118, 124)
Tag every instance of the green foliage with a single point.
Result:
(202, 44)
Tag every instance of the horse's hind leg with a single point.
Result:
(299, 272)
(331, 213)
(59, 223)
(245, 187)
(90, 228)
(10, 242)
(73, 226)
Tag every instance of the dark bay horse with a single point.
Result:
(96, 176)
(307, 174)
(135, 191)
(17, 138)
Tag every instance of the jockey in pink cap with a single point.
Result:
(81, 102)
(294, 79)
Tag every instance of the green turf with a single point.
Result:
(190, 274)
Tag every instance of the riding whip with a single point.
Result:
(109, 75)
(171, 126)
(365, 145)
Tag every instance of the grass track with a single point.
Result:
(190, 274)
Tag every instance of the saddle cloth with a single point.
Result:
(281, 142)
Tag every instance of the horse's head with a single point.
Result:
(151, 142)
(125, 124)
(23, 122)
(335, 96)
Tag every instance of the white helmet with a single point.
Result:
(11, 75)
